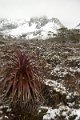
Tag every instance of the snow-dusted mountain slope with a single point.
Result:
(36, 27)
(78, 26)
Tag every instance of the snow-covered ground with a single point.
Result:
(60, 65)
(62, 111)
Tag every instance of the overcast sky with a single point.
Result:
(67, 11)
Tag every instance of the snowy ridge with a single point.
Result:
(78, 26)
(37, 27)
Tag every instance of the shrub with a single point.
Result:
(21, 80)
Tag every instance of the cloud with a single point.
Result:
(66, 10)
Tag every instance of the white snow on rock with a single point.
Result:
(22, 29)
(57, 86)
(35, 28)
(78, 26)
(64, 111)
(78, 114)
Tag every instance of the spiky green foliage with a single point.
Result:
(21, 81)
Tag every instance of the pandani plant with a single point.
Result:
(21, 81)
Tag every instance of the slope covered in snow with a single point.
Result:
(78, 26)
(37, 27)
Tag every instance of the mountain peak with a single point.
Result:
(36, 27)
